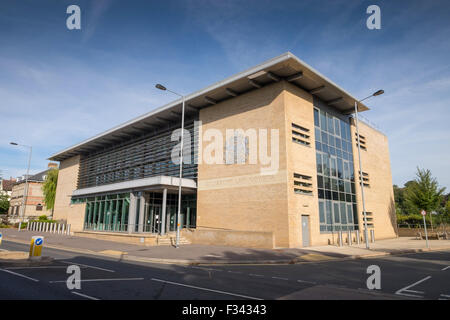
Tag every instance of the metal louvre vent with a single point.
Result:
(142, 157)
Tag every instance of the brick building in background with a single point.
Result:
(35, 205)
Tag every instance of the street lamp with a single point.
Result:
(161, 87)
(25, 191)
(366, 236)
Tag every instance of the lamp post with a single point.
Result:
(25, 191)
(161, 87)
(366, 235)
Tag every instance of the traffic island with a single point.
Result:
(22, 258)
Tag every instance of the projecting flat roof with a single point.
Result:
(158, 181)
(284, 67)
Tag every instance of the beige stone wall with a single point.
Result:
(379, 196)
(301, 159)
(250, 239)
(237, 196)
(73, 214)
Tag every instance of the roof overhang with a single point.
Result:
(151, 183)
(284, 67)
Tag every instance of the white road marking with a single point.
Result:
(304, 281)
(445, 295)
(84, 295)
(47, 267)
(206, 289)
(19, 275)
(447, 267)
(237, 272)
(279, 278)
(99, 280)
(402, 291)
(255, 275)
(88, 266)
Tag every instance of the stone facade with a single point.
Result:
(72, 214)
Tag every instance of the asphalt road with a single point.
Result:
(411, 276)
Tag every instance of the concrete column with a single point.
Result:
(163, 213)
(132, 212)
(141, 213)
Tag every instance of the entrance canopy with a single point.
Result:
(152, 183)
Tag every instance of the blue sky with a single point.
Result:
(60, 86)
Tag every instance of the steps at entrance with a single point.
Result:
(170, 240)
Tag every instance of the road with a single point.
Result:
(411, 276)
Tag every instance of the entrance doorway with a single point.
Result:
(305, 231)
(152, 218)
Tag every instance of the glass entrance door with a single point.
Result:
(152, 219)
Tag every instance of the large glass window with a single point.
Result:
(335, 173)
(109, 213)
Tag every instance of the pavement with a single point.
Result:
(216, 255)
(414, 276)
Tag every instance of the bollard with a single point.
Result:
(349, 237)
(358, 238)
(372, 235)
(36, 246)
(59, 228)
(63, 228)
(1, 237)
(68, 229)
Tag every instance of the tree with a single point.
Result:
(401, 205)
(4, 203)
(49, 188)
(425, 193)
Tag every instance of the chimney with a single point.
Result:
(52, 165)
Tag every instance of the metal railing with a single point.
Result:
(52, 227)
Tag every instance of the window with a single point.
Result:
(335, 173)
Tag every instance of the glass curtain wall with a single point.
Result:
(335, 173)
(153, 212)
(110, 212)
(107, 213)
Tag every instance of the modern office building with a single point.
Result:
(289, 175)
